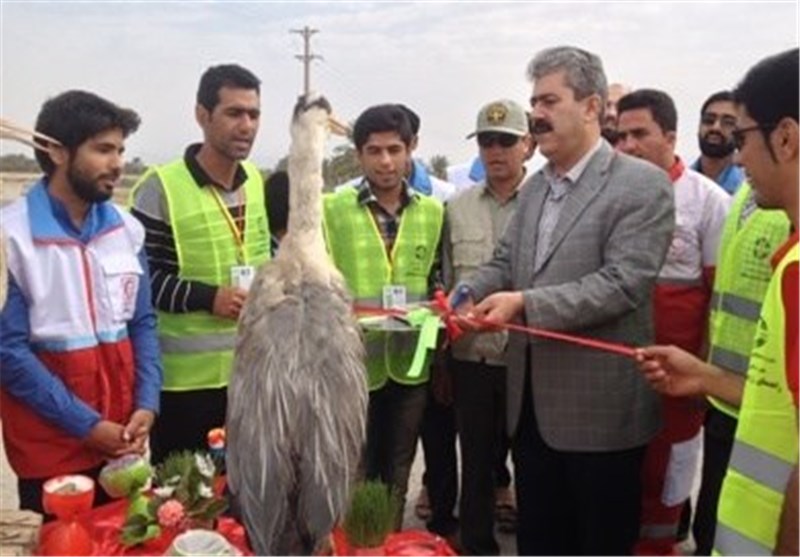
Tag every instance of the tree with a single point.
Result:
(342, 167)
(438, 166)
(135, 167)
(283, 165)
(16, 162)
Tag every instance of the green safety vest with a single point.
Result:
(197, 347)
(357, 249)
(743, 273)
(766, 444)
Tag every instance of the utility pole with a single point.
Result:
(306, 57)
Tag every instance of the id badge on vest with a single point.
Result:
(242, 276)
(394, 297)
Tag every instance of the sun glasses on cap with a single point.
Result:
(505, 140)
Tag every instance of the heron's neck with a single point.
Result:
(305, 189)
(305, 211)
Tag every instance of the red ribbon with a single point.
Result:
(449, 317)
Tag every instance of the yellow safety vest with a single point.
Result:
(358, 251)
(766, 444)
(743, 273)
(197, 347)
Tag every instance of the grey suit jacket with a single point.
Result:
(596, 280)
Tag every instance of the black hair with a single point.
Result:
(660, 105)
(75, 116)
(224, 75)
(719, 96)
(382, 118)
(769, 90)
(277, 199)
(413, 118)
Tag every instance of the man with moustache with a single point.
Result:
(715, 136)
(81, 369)
(580, 255)
(207, 233)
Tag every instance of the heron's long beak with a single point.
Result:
(337, 127)
(9, 130)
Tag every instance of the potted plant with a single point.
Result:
(372, 516)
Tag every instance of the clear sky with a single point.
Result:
(442, 59)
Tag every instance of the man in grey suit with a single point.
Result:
(580, 255)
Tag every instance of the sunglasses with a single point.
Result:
(739, 135)
(725, 120)
(505, 140)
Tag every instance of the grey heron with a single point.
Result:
(297, 399)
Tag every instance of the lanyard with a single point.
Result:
(238, 234)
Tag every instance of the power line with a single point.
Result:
(306, 57)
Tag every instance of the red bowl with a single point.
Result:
(68, 496)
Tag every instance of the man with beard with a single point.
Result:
(717, 122)
(207, 233)
(78, 345)
(580, 255)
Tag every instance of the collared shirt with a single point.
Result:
(388, 223)
(202, 178)
(475, 219)
(558, 187)
(500, 209)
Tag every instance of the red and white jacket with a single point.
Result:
(683, 289)
(80, 298)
